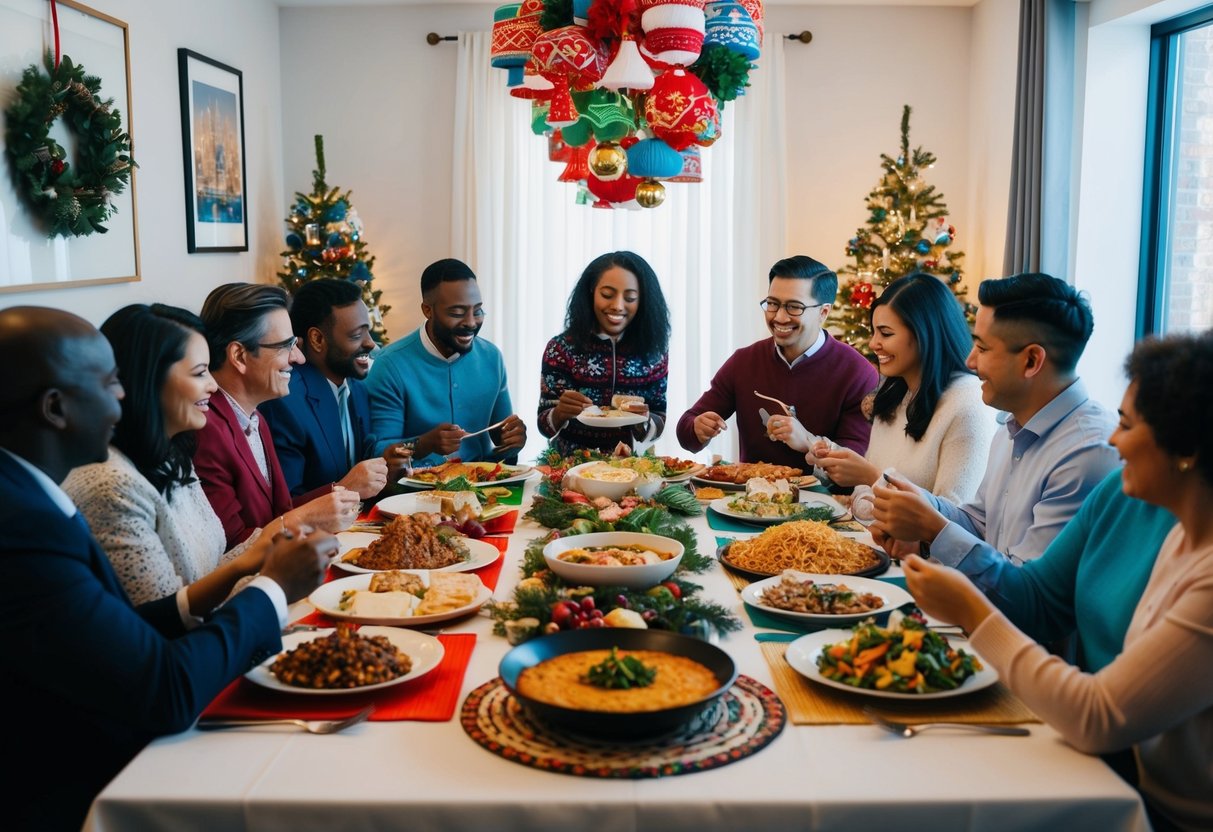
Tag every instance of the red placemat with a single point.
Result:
(430, 698)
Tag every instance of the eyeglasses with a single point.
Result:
(287, 345)
(794, 307)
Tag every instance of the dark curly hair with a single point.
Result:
(1049, 311)
(1174, 377)
(933, 314)
(648, 334)
(147, 341)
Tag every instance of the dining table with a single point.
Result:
(431, 775)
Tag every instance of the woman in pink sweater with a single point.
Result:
(1157, 695)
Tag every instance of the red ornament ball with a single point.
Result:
(863, 294)
(57, 166)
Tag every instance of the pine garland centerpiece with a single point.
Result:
(69, 199)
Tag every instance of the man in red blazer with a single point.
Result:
(252, 351)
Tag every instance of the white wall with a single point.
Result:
(244, 35)
(383, 98)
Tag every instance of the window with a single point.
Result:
(1176, 289)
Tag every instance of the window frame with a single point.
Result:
(1166, 56)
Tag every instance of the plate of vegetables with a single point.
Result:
(903, 661)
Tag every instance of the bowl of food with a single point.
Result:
(617, 682)
(601, 479)
(630, 559)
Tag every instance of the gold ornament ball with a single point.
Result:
(650, 193)
(608, 161)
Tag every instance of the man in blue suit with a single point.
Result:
(322, 428)
(88, 678)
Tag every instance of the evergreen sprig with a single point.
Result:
(724, 72)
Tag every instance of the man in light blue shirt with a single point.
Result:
(1030, 332)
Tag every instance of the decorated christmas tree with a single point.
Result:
(907, 231)
(324, 239)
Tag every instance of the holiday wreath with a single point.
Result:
(69, 199)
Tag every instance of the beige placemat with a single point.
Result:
(812, 704)
(738, 580)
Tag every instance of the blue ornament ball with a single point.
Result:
(943, 240)
(360, 273)
(334, 240)
(293, 241)
(337, 212)
(923, 247)
(303, 207)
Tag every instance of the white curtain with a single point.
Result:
(711, 244)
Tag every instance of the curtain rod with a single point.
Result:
(433, 38)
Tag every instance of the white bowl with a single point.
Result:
(633, 577)
(601, 488)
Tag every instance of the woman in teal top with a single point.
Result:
(1088, 581)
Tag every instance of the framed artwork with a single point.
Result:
(29, 259)
(212, 136)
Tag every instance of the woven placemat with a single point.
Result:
(812, 704)
(742, 722)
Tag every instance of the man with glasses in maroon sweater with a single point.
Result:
(820, 377)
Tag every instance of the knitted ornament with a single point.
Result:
(628, 70)
(653, 159)
(862, 295)
(566, 56)
(614, 191)
(506, 47)
(673, 30)
(611, 19)
(534, 87)
(754, 7)
(679, 108)
(692, 166)
(728, 24)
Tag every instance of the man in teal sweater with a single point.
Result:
(440, 382)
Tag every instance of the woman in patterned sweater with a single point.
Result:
(615, 342)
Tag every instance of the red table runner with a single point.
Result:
(429, 698)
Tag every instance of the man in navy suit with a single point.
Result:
(322, 428)
(88, 678)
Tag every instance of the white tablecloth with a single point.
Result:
(430, 776)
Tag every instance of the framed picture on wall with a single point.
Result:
(212, 137)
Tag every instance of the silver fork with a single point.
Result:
(904, 730)
(312, 726)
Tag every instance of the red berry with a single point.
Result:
(587, 603)
(595, 614)
(561, 613)
(595, 623)
(621, 600)
(674, 589)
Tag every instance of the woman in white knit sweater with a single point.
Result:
(1157, 695)
(928, 419)
(144, 505)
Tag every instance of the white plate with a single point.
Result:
(517, 473)
(612, 421)
(893, 596)
(328, 596)
(482, 554)
(425, 651)
(803, 652)
(808, 499)
(723, 485)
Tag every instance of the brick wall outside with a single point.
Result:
(1190, 276)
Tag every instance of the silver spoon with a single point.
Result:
(907, 731)
(312, 726)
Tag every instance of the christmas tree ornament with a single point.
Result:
(578, 166)
(653, 159)
(627, 70)
(566, 56)
(581, 11)
(311, 233)
(578, 133)
(558, 151)
(294, 242)
(679, 108)
(608, 161)
(692, 166)
(615, 191)
(673, 30)
(757, 14)
(508, 48)
(728, 24)
(863, 294)
(535, 87)
(611, 116)
(650, 193)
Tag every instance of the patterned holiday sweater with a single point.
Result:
(599, 371)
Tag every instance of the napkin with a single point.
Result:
(429, 698)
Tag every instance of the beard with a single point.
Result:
(342, 364)
(445, 336)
